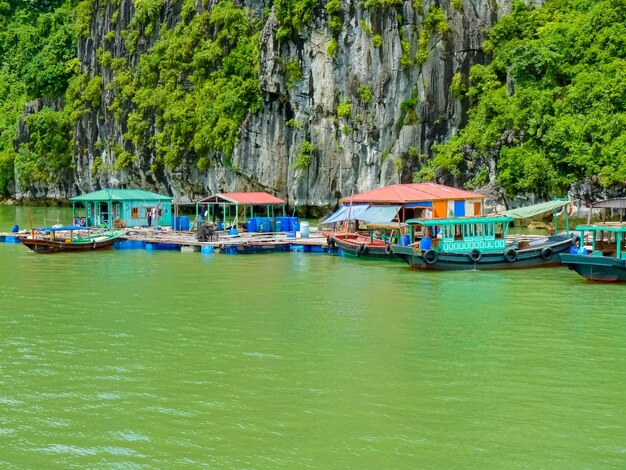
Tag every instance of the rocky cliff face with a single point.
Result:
(376, 138)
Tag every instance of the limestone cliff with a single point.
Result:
(370, 101)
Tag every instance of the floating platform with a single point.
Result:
(150, 240)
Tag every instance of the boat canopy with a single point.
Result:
(346, 212)
(497, 219)
(536, 209)
(379, 214)
(387, 226)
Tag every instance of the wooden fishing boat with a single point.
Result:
(55, 243)
(376, 243)
(607, 261)
(250, 248)
(476, 243)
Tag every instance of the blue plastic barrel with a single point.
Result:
(251, 225)
(295, 225)
(406, 240)
(174, 223)
(232, 231)
(286, 224)
(184, 223)
(267, 227)
(279, 225)
(220, 226)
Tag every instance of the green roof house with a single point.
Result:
(135, 207)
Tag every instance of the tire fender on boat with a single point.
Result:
(388, 248)
(430, 256)
(547, 252)
(361, 249)
(330, 240)
(510, 255)
(475, 255)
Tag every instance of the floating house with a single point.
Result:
(134, 206)
(231, 209)
(401, 202)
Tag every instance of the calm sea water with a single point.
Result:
(125, 359)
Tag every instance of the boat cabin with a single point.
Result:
(460, 234)
(391, 232)
(605, 240)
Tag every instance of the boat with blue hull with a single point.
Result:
(479, 243)
(607, 260)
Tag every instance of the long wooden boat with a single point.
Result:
(250, 248)
(476, 243)
(607, 261)
(374, 244)
(55, 243)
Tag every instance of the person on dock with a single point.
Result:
(149, 216)
(156, 214)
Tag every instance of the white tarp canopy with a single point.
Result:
(379, 214)
(346, 212)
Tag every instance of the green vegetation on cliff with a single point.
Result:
(551, 107)
(37, 45)
(195, 86)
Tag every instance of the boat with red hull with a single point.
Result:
(374, 244)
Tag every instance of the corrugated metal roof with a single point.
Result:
(121, 195)
(405, 193)
(244, 198)
(616, 203)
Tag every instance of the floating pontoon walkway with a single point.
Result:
(244, 242)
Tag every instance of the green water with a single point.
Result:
(125, 359)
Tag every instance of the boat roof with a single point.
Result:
(536, 209)
(388, 226)
(256, 198)
(494, 219)
(121, 195)
(407, 193)
(365, 212)
(618, 228)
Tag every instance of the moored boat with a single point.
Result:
(374, 244)
(607, 261)
(476, 243)
(54, 243)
